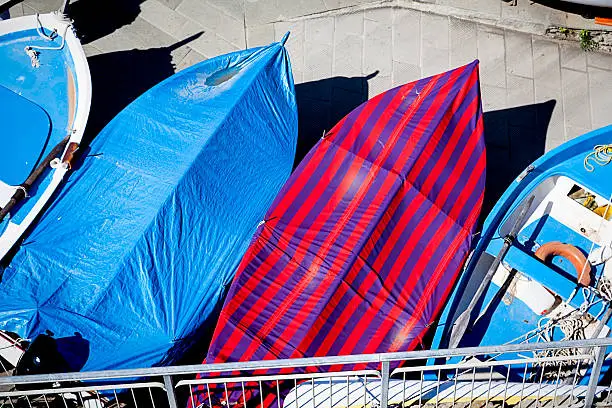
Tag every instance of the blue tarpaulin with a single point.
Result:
(138, 248)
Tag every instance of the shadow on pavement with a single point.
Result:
(95, 19)
(514, 138)
(321, 104)
(118, 78)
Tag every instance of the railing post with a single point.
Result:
(384, 389)
(170, 391)
(600, 355)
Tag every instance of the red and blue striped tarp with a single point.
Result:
(362, 246)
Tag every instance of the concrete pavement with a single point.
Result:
(386, 43)
(404, 43)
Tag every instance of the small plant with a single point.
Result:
(564, 30)
(586, 41)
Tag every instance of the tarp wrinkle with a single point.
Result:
(135, 251)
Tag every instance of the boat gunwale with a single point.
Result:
(83, 89)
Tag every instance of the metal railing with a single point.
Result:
(559, 374)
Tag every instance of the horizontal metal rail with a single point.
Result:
(492, 363)
(302, 362)
(283, 377)
(90, 388)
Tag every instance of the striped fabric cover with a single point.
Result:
(361, 248)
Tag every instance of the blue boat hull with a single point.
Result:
(517, 309)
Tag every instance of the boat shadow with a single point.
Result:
(119, 77)
(514, 138)
(97, 19)
(323, 103)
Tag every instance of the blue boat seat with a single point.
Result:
(24, 128)
(526, 263)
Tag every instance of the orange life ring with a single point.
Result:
(571, 253)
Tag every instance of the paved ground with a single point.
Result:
(536, 92)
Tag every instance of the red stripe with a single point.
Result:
(347, 181)
(410, 245)
(441, 162)
(339, 325)
(298, 185)
(451, 183)
(471, 184)
(286, 273)
(418, 338)
(429, 150)
(419, 268)
(330, 240)
(396, 310)
(289, 331)
(400, 262)
(226, 314)
(338, 195)
(419, 309)
(354, 236)
(252, 283)
(398, 229)
(332, 336)
(425, 297)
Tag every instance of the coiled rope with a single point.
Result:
(601, 155)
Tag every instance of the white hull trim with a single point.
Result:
(52, 21)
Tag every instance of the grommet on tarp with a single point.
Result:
(284, 39)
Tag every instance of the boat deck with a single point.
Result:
(49, 87)
(40, 86)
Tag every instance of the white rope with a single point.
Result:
(33, 50)
(605, 287)
(601, 155)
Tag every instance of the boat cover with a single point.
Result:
(138, 249)
(362, 245)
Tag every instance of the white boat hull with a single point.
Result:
(596, 3)
(82, 100)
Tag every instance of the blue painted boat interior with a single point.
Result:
(45, 90)
(501, 317)
(25, 127)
